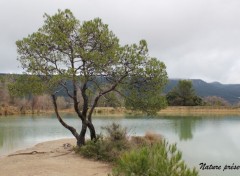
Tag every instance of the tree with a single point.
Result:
(183, 95)
(88, 57)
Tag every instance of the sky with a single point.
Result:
(196, 39)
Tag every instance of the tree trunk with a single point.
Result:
(81, 137)
(92, 131)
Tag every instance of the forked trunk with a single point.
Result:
(81, 137)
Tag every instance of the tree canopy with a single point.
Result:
(88, 56)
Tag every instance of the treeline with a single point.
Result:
(24, 104)
(181, 95)
(13, 103)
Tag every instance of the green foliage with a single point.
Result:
(26, 85)
(111, 100)
(157, 159)
(2, 79)
(144, 92)
(106, 148)
(183, 95)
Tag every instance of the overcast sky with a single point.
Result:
(194, 38)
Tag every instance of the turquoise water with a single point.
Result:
(207, 140)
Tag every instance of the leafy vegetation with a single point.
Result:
(183, 95)
(154, 160)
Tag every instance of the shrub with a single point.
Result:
(157, 159)
(106, 148)
(115, 132)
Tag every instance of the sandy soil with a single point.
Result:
(53, 158)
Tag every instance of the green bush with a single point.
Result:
(142, 156)
(159, 159)
(106, 148)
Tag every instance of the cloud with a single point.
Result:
(195, 38)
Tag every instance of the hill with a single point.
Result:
(230, 92)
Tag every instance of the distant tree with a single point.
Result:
(215, 101)
(28, 88)
(5, 97)
(88, 56)
(183, 95)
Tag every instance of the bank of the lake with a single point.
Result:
(55, 158)
(199, 111)
(169, 111)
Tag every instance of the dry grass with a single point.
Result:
(199, 110)
(149, 139)
(121, 112)
(173, 111)
(8, 110)
(109, 110)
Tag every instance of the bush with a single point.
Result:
(115, 132)
(142, 156)
(158, 159)
(106, 148)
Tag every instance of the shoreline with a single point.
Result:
(55, 158)
(121, 112)
(199, 111)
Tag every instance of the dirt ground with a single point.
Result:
(53, 158)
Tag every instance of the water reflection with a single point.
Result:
(10, 135)
(185, 127)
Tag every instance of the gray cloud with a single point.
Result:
(195, 38)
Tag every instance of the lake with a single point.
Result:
(210, 140)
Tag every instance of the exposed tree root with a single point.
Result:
(27, 153)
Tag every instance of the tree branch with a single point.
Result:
(66, 89)
(70, 128)
(103, 93)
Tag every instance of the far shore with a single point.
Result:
(121, 112)
(55, 158)
(199, 111)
